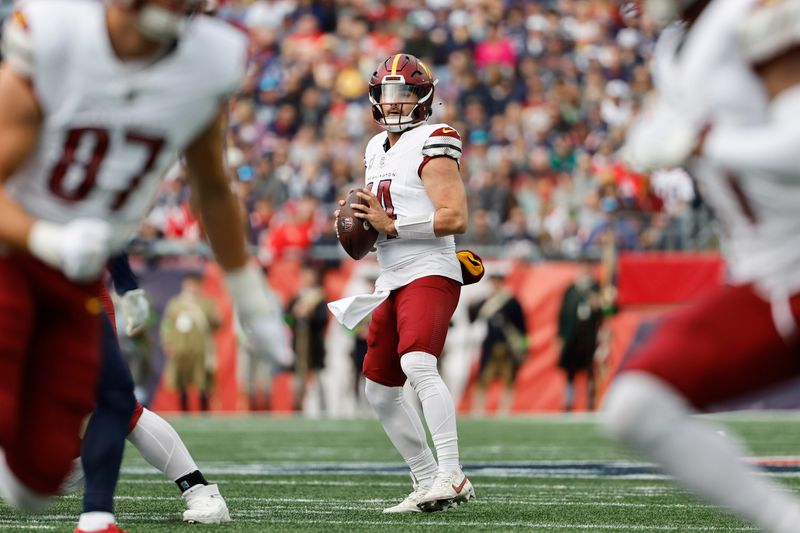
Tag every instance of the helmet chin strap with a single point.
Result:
(160, 24)
(399, 123)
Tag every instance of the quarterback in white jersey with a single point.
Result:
(726, 90)
(97, 100)
(417, 203)
(393, 178)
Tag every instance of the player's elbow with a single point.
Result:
(460, 226)
(450, 224)
(460, 222)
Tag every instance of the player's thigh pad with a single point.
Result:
(62, 370)
(721, 347)
(424, 308)
(16, 326)
(381, 364)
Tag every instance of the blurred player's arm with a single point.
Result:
(214, 197)
(20, 120)
(134, 303)
(220, 211)
(661, 137)
(770, 147)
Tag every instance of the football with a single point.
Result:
(356, 236)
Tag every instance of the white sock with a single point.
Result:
(404, 428)
(647, 414)
(161, 446)
(437, 406)
(95, 521)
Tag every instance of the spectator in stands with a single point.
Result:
(535, 89)
(307, 315)
(579, 321)
(186, 334)
(505, 345)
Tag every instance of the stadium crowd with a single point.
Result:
(541, 93)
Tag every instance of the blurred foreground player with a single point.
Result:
(734, 65)
(117, 414)
(416, 201)
(97, 100)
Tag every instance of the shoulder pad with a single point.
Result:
(17, 44)
(443, 141)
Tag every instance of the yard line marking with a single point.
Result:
(655, 490)
(539, 525)
(341, 503)
(10, 523)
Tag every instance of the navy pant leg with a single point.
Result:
(104, 441)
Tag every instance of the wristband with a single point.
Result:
(415, 227)
(44, 241)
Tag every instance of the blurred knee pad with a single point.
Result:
(640, 409)
(17, 494)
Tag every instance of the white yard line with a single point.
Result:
(348, 503)
(12, 524)
(548, 526)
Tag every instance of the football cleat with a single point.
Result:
(411, 502)
(449, 489)
(111, 528)
(205, 505)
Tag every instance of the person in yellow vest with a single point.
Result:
(187, 326)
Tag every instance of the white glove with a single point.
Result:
(260, 315)
(266, 337)
(136, 309)
(79, 248)
(661, 138)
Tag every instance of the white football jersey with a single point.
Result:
(759, 215)
(393, 175)
(112, 129)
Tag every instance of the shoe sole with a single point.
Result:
(445, 504)
(223, 520)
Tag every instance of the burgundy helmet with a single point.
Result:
(401, 79)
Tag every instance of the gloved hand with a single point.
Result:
(266, 337)
(136, 309)
(79, 248)
(661, 138)
(260, 314)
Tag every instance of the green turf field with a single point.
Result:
(540, 474)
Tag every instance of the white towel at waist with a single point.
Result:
(353, 309)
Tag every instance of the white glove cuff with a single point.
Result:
(249, 291)
(415, 227)
(44, 242)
